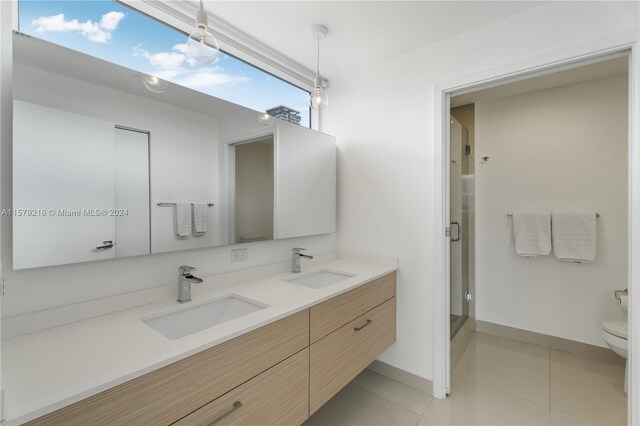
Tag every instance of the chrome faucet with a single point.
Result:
(295, 259)
(185, 279)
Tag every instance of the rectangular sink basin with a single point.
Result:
(184, 322)
(320, 279)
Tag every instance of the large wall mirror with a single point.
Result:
(104, 168)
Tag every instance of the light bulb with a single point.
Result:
(202, 46)
(154, 84)
(318, 99)
(265, 119)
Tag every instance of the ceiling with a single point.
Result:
(579, 74)
(60, 60)
(360, 32)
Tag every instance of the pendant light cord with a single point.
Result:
(318, 57)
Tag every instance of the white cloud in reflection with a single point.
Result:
(178, 67)
(99, 32)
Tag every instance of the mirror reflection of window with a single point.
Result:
(115, 32)
(254, 190)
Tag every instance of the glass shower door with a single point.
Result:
(459, 216)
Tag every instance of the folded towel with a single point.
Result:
(200, 219)
(532, 233)
(574, 236)
(183, 219)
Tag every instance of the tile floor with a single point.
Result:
(497, 381)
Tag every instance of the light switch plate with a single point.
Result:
(239, 255)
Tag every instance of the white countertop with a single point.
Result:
(49, 369)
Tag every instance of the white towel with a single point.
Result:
(200, 219)
(532, 233)
(183, 219)
(574, 236)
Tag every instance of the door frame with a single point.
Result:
(229, 153)
(532, 67)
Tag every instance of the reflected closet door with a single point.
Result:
(63, 166)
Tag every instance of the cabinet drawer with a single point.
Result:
(343, 354)
(168, 394)
(279, 396)
(334, 313)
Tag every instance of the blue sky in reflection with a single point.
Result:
(111, 31)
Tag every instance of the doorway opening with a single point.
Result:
(253, 188)
(556, 142)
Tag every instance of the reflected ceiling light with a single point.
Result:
(265, 119)
(201, 45)
(318, 99)
(154, 84)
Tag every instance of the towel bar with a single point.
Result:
(511, 214)
(161, 204)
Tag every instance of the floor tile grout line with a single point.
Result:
(390, 402)
(353, 382)
(507, 392)
(501, 390)
(396, 381)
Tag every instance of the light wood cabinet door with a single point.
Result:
(176, 390)
(339, 357)
(336, 312)
(279, 396)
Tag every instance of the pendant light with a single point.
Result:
(201, 45)
(265, 119)
(318, 99)
(154, 84)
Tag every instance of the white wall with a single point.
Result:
(5, 131)
(559, 149)
(382, 116)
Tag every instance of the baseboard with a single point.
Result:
(580, 349)
(404, 377)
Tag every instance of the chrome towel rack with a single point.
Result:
(511, 214)
(161, 204)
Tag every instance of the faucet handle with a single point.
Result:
(297, 249)
(186, 269)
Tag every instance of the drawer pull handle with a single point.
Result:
(236, 405)
(363, 326)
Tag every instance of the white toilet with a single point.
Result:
(616, 335)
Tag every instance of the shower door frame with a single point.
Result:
(583, 54)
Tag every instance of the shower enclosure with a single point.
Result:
(461, 208)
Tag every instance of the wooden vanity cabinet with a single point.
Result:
(332, 314)
(339, 357)
(278, 374)
(170, 393)
(348, 332)
(279, 396)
